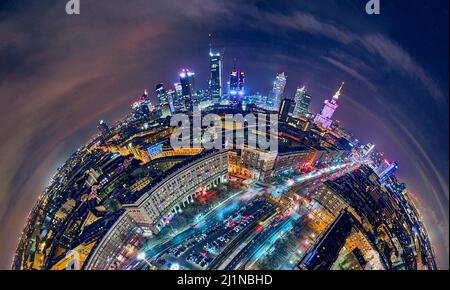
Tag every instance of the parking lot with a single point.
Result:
(235, 221)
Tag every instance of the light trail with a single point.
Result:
(312, 175)
(201, 218)
(323, 171)
(270, 241)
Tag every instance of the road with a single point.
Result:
(245, 247)
(259, 244)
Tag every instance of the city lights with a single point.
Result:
(133, 198)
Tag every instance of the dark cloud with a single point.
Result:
(60, 74)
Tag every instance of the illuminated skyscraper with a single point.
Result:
(286, 109)
(368, 149)
(233, 82)
(178, 102)
(241, 83)
(172, 95)
(178, 90)
(187, 83)
(302, 101)
(161, 94)
(189, 94)
(141, 110)
(104, 129)
(277, 92)
(163, 98)
(216, 72)
(391, 168)
(324, 117)
(236, 90)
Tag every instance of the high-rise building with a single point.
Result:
(187, 82)
(163, 98)
(324, 117)
(286, 109)
(104, 129)
(178, 90)
(302, 100)
(140, 110)
(380, 164)
(178, 101)
(367, 149)
(234, 77)
(161, 94)
(215, 78)
(172, 96)
(393, 166)
(277, 92)
(188, 91)
(241, 83)
(237, 81)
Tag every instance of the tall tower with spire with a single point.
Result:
(216, 72)
(324, 117)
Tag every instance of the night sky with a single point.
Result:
(60, 74)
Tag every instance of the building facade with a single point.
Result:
(236, 90)
(275, 96)
(302, 101)
(324, 118)
(215, 78)
(189, 94)
(109, 247)
(153, 210)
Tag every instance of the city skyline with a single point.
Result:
(431, 193)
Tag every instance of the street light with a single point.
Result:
(141, 256)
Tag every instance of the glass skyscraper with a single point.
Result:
(161, 94)
(286, 108)
(236, 90)
(273, 101)
(302, 101)
(188, 91)
(215, 79)
(163, 98)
